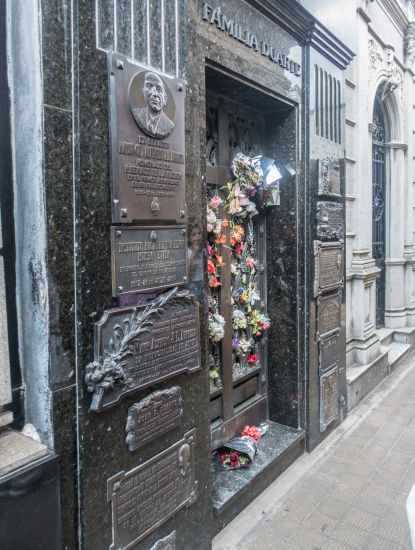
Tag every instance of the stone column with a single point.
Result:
(395, 299)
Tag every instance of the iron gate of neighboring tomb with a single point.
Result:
(379, 207)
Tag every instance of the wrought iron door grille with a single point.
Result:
(378, 208)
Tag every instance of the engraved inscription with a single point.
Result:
(136, 347)
(329, 403)
(167, 543)
(157, 414)
(148, 495)
(328, 266)
(148, 145)
(329, 312)
(328, 352)
(330, 221)
(148, 258)
(329, 177)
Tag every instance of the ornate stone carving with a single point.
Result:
(409, 44)
(375, 54)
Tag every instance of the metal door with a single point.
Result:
(378, 208)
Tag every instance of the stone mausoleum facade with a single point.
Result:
(207, 223)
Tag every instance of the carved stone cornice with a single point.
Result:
(397, 14)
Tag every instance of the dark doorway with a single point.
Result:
(379, 207)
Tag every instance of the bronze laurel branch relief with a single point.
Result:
(138, 346)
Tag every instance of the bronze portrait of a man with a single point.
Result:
(152, 118)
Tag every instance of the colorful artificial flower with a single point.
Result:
(216, 327)
(252, 359)
(250, 262)
(253, 432)
(215, 202)
(214, 282)
(211, 266)
(238, 319)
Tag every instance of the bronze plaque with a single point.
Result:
(136, 347)
(148, 258)
(330, 221)
(328, 264)
(147, 496)
(329, 352)
(158, 413)
(329, 400)
(148, 143)
(329, 177)
(329, 314)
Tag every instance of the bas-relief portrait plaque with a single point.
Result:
(328, 265)
(148, 258)
(330, 221)
(329, 314)
(157, 414)
(329, 172)
(148, 144)
(136, 347)
(329, 401)
(147, 496)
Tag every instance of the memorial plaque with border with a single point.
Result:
(158, 413)
(148, 258)
(329, 172)
(148, 143)
(329, 353)
(329, 314)
(329, 399)
(328, 264)
(137, 347)
(145, 497)
(330, 221)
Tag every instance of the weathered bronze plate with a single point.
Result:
(329, 177)
(328, 265)
(329, 353)
(148, 143)
(148, 258)
(147, 496)
(159, 413)
(330, 221)
(329, 400)
(136, 347)
(329, 314)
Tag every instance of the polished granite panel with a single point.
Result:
(124, 27)
(57, 53)
(65, 441)
(170, 36)
(105, 27)
(140, 31)
(59, 210)
(156, 55)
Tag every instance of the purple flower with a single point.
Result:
(235, 342)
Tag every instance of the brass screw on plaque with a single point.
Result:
(183, 231)
(179, 87)
(124, 212)
(120, 288)
(184, 279)
(182, 213)
(119, 233)
(153, 236)
(120, 65)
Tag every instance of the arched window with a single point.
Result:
(379, 206)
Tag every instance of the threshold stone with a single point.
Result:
(17, 450)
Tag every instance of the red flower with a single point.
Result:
(252, 432)
(214, 282)
(252, 358)
(211, 267)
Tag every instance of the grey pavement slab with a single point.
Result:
(350, 493)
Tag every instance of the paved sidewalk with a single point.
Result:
(350, 493)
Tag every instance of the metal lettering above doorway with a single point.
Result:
(137, 347)
(147, 142)
(242, 33)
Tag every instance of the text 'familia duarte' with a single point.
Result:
(215, 16)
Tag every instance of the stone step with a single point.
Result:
(363, 379)
(385, 336)
(404, 335)
(397, 351)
